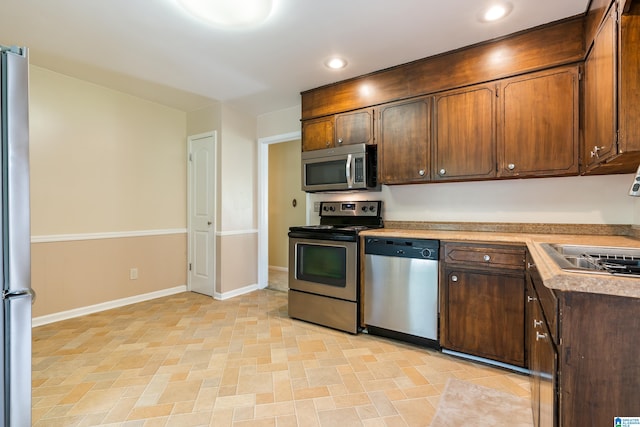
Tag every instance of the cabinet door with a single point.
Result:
(539, 124)
(403, 146)
(600, 112)
(484, 314)
(317, 134)
(464, 134)
(354, 128)
(532, 311)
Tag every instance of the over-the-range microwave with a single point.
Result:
(345, 168)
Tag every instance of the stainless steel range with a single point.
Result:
(324, 264)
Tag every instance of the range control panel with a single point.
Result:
(357, 208)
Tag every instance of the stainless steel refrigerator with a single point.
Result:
(15, 268)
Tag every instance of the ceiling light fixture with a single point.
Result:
(230, 13)
(496, 12)
(335, 63)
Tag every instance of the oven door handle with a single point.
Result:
(348, 171)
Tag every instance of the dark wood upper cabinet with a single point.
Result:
(355, 127)
(464, 134)
(539, 124)
(612, 93)
(547, 46)
(404, 141)
(544, 120)
(600, 85)
(317, 134)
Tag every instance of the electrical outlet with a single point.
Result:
(133, 274)
(316, 206)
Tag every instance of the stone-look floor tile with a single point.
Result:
(274, 409)
(263, 422)
(255, 383)
(287, 421)
(339, 417)
(144, 412)
(415, 412)
(189, 360)
(351, 400)
(323, 376)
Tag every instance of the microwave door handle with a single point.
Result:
(348, 172)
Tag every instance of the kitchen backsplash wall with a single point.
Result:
(572, 200)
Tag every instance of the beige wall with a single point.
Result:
(102, 160)
(73, 274)
(279, 122)
(284, 186)
(103, 163)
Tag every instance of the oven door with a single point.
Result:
(324, 267)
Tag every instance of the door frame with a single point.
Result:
(190, 139)
(263, 201)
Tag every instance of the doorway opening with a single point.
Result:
(263, 200)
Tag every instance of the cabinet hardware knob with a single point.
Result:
(537, 323)
(511, 166)
(530, 299)
(540, 336)
(443, 171)
(530, 266)
(454, 278)
(208, 222)
(595, 152)
(421, 172)
(339, 140)
(487, 258)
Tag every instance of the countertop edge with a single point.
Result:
(552, 276)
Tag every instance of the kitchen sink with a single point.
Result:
(595, 259)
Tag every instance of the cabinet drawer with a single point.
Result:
(484, 256)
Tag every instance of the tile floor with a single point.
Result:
(189, 360)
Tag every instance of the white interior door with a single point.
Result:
(202, 220)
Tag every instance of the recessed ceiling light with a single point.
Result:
(335, 63)
(495, 12)
(230, 13)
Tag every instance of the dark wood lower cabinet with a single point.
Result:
(484, 314)
(599, 359)
(542, 358)
(596, 375)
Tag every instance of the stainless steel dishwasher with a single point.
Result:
(401, 289)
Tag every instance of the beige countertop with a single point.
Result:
(552, 276)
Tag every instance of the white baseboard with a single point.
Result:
(234, 293)
(77, 312)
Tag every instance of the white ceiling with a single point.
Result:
(153, 49)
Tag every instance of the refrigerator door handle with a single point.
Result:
(20, 293)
